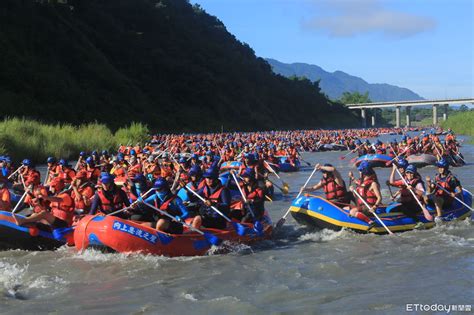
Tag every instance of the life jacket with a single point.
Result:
(108, 205)
(37, 205)
(363, 189)
(444, 182)
(257, 195)
(67, 175)
(332, 189)
(5, 198)
(134, 170)
(32, 177)
(214, 198)
(405, 195)
(93, 174)
(63, 209)
(165, 206)
(86, 192)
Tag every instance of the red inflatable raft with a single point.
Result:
(114, 234)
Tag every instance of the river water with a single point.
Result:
(299, 271)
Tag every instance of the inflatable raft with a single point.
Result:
(421, 160)
(231, 165)
(112, 234)
(285, 166)
(31, 237)
(375, 160)
(317, 212)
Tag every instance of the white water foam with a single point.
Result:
(325, 235)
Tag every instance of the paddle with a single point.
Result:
(301, 158)
(284, 190)
(211, 238)
(126, 208)
(427, 215)
(283, 218)
(462, 202)
(242, 194)
(370, 209)
(398, 155)
(16, 171)
(287, 187)
(19, 202)
(350, 152)
(240, 229)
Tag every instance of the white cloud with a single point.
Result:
(350, 18)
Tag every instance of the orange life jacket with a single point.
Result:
(363, 189)
(63, 209)
(332, 189)
(5, 198)
(108, 205)
(444, 182)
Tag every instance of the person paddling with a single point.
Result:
(216, 195)
(109, 197)
(443, 190)
(369, 189)
(333, 185)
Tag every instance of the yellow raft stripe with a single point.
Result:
(361, 226)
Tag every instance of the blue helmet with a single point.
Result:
(209, 152)
(195, 156)
(211, 173)
(107, 178)
(182, 160)
(82, 154)
(404, 137)
(26, 162)
(133, 152)
(161, 184)
(442, 164)
(365, 168)
(90, 160)
(249, 173)
(358, 142)
(105, 152)
(94, 153)
(62, 162)
(195, 171)
(51, 160)
(401, 162)
(411, 169)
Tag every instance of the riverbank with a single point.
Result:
(461, 123)
(24, 138)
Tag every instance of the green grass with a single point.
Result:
(461, 123)
(23, 138)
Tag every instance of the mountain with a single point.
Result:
(163, 62)
(338, 82)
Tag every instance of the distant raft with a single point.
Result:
(375, 160)
(31, 237)
(421, 160)
(113, 234)
(230, 165)
(285, 166)
(317, 212)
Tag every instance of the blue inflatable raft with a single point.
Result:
(375, 160)
(317, 212)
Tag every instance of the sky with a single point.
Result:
(424, 45)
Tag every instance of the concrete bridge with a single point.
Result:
(408, 105)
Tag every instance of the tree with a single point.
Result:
(355, 98)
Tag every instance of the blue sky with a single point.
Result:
(424, 45)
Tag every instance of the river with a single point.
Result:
(299, 271)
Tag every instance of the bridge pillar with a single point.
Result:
(397, 117)
(445, 113)
(408, 112)
(435, 114)
(364, 118)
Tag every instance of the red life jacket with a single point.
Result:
(63, 210)
(446, 184)
(405, 194)
(212, 197)
(164, 206)
(363, 189)
(110, 205)
(5, 197)
(332, 189)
